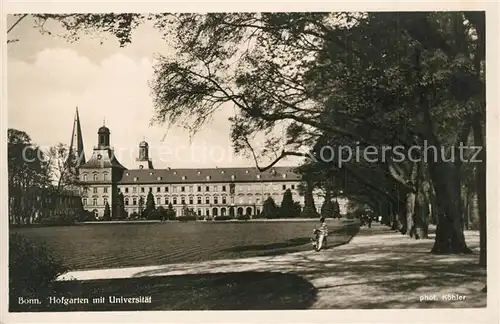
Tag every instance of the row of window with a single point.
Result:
(95, 190)
(95, 177)
(175, 201)
(190, 201)
(183, 189)
(215, 188)
(85, 201)
(226, 211)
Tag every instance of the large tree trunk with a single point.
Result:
(421, 228)
(309, 209)
(386, 213)
(410, 214)
(394, 218)
(449, 234)
(473, 206)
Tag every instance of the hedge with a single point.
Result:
(222, 218)
(186, 218)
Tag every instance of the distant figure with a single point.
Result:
(369, 221)
(320, 235)
(323, 229)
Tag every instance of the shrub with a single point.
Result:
(328, 209)
(154, 214)
(289, 208)
(134, 215)
(32, 268)
(309, 212)
(170, 212)
(187, 218)
(222, 218)
(162, 213)
(107, 213)
(269, 209)
(243, 217)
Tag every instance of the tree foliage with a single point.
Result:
(149, 211)
(107, 212)
(269, 209)
(288, 207)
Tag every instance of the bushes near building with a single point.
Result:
(288, 207)
(222, 218)
(170, 212)
(269, 209)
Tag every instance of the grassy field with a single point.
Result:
(96, 246)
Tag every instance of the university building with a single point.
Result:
(209, 192)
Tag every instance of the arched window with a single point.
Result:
(95, 176)
(85, 177)
(126, 201)
(84, 201)
(105, 176)
(134, 201)
(105, 201)
(94, 201)
(158, 200)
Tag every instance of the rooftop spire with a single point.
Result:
(76, 145)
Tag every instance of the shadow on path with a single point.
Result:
(337, 237)
(216, 291)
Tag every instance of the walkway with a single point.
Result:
(379, 268)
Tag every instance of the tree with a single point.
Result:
(170, 212)
(328, 207)
(141, 207)
(269, 208)
(107, 212)
(336, 209)
(120, 207)
(163, 214)
(28, 177)
(62, 168)
(288, 207)
(150, 205)
(82, 214)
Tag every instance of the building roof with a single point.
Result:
(208, 175)
(102, 159)
(103, 129)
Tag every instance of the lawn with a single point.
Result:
(96, 246)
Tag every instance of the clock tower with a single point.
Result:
(99, 176)
(143, 161)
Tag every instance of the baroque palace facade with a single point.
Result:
(209, 192)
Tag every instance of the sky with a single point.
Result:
(48, 77)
